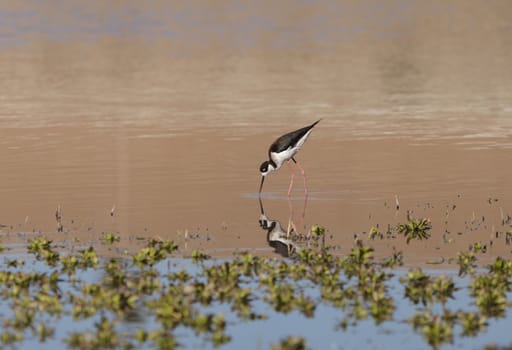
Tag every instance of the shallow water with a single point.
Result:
(322, 330)
(151, 119)
(160, 115)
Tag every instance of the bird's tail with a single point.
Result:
(312, 125)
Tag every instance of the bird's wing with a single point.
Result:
(292, 139)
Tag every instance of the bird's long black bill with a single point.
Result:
(261, 185)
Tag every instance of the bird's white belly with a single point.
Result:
(280, 158)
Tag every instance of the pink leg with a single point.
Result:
(291, 180)
(304, 178)
(305, 205)
(291, 226)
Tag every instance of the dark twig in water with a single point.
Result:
(58, 217)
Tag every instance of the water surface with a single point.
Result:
(152, 119)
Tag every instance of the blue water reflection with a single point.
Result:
(321, 331)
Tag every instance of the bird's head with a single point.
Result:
(265, 168)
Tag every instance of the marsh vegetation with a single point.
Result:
(157, 297)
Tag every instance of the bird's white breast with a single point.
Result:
(283, 156)
(280, 158)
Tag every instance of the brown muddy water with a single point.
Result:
(151, 119)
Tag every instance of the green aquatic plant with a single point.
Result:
(490, 293)
(478, 247)
(69, 264)
(82, 309)
(44, 332)
(417, 287)
(175, 299)
(283, 298)
(472, 323)
(43, 250)
(436, 330)
(8, 337)
(163, 339)
(198, 256)
(291, 343)
(466, 261)
(381, 306)
(104, 337)
(111, 238)
(167, 246)
(317, 231)
(394, 260)
(375, 233)
(421, 287)
(360, 259)
(443, 289)
(115, 274)
(415, 229)
(508, 237)
(501, 267)
(48, 302)
(153, 252)
(14, 262)
(88, 258)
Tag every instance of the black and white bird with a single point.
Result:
(277, 237)
(284, 149)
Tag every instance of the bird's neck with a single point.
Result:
(274, 165)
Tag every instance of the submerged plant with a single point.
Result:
(154, 251)
(417, 287)
(291, 343)
(436, 330)
(43, 250)
(198, 256)
(490, 292)
(466, 261)
(472, 323)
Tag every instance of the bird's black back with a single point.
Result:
(290, 139)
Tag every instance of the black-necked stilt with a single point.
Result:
(284, 149)
(277, 237)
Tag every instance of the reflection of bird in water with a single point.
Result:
(277, 237)
(284, 149)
